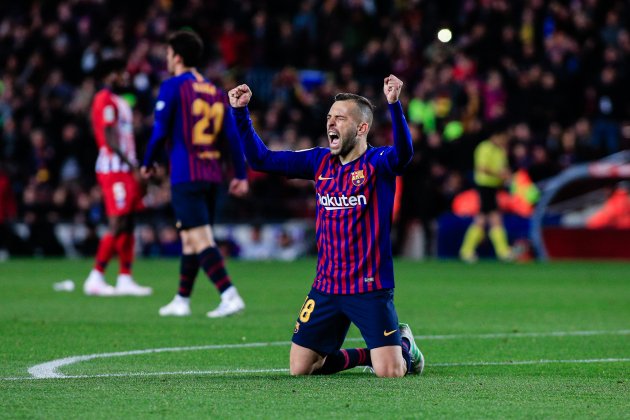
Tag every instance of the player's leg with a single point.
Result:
(124, 241)
(472, 238)
(211, 260)
(95, 283)
(188, 269)
(393, 351)
(389, 361)
(126, 195)
(105, 251)
(304, 361)
(318, 335)
(344, 359)
(193, 206)
(476, 231)
(212, 263)
(498, 236)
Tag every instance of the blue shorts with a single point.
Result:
(193, 204)
(324, 320)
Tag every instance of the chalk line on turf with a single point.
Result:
(50, 370)
(281, 370)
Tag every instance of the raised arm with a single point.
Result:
(239, 185)
(292, 164)
(400, 155)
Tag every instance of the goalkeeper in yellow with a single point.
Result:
(492, 171)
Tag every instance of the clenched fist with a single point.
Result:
(240, 96)
(392, 86)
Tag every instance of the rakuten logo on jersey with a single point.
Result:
(341, 202)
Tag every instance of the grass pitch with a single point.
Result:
(537, 340)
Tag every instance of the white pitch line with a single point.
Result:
(523, 335)
(51, 369)
(532, 362)
(280, 370)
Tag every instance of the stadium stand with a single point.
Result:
(556, 70)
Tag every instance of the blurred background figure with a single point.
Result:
(112, 125)
(193, 121)
(492, 172)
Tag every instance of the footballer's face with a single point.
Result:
(342, 127)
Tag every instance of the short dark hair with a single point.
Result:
(109, 66)
(188, 45)
(365, 106)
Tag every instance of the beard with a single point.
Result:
(348, 142)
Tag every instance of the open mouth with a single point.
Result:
(333, 138)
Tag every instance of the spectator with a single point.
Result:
(558, 69)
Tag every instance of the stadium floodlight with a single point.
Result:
(444, 35)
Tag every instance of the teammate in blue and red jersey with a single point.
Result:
(194, 115)
(355, 186)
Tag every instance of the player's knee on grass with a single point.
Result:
(391, 370)
(300, 368)
(303, 361)
(387, 362)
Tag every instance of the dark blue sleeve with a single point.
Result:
(399, 155)
(301, 164)
(164, 108)
(236, 147)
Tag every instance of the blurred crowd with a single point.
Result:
(556, 70)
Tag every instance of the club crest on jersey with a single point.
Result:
(358, 178)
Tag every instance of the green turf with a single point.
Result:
(452, 304)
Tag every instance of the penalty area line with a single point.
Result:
(279, 370)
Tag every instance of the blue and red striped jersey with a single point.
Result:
(194, 115)
(354, 204)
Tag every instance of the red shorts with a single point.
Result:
(121, 192)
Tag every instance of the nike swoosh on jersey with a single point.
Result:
(321, 178)
(388, 333)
